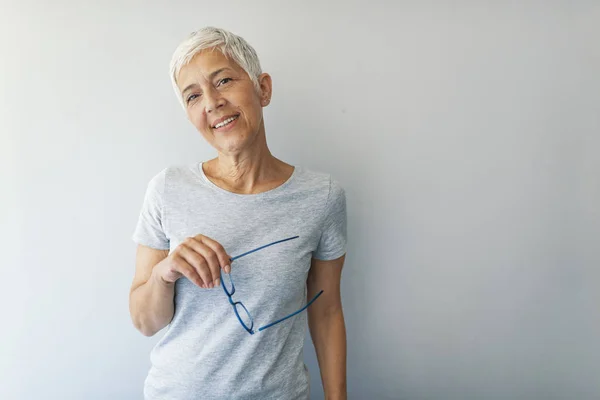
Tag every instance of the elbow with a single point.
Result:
(144, 326)
(325, 315)
(146, 319)
(148, 332)
(146, 329)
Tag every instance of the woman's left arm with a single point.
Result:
(326, 324)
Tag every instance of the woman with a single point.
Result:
(230, 247)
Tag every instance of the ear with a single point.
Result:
(266, 88)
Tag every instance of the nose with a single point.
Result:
(213, 100)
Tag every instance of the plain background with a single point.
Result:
(466, 135)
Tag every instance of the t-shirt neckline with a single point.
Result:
(260, 195)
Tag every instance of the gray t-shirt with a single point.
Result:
(205, 353)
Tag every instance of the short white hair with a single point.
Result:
(232, 46)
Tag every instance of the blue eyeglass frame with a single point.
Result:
(234, 304)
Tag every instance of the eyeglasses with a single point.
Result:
(241, 312)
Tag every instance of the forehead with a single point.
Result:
(203, 64)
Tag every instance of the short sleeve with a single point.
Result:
(150, 228)
(332, 244)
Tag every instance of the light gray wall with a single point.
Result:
(465, 133)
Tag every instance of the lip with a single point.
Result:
(227, 127)
(218, 121)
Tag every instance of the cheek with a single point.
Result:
(252, 108)
(197, 119)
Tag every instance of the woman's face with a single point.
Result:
(216, 90)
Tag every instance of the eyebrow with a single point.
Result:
(211, 76)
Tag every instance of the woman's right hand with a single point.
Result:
(199, 259)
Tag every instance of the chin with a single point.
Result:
(234, 146)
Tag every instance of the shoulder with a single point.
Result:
(319, 179)
(325, 182)
(172, 180)
(325, 190)
(176, 173)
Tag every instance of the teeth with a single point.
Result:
(228, 120)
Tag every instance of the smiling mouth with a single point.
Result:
(226, 122)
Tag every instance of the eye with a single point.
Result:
(192, 97)
(224, 81)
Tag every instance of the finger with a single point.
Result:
(212, 260)
(210, 257)
(190, 253)
(184, 268)
(224, 258)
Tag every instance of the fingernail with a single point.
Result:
(228, 269)
(217, 282)
(210, 285)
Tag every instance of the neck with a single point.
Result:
(247, 174)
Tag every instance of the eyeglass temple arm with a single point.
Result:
(262, 247)
(291, 315)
